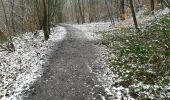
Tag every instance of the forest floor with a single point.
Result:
(132, 56)
(21, 68)
(74, 70)
(71, 65)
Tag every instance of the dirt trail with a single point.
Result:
(70, 73)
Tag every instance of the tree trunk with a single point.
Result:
(152, 5)
(10, 45)
(133, 15)
(81, 12)
(122, 10)
(45, 20)
(92, 10)
(60, 17)
(76, 13)
(109, 13)
(12, 16)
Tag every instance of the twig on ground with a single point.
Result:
(3, 48)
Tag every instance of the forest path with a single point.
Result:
(70, 74)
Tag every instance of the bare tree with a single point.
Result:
(10, 45)
(76, 13)
(12, 16)
(46, 25)
(133, 15)
(81, 11)
(122, 10)
(92, 10)
(152, 4)
(109, 13)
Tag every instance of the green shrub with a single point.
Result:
(144, 56)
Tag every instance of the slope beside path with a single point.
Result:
(21, 68)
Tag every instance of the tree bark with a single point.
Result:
(152, 5)
(109, 13)
(92, 10)
(10, 45)
(45, 20)
(122, 10)
(76, 13)
(81, 12)
(133, 15)
(12, 16)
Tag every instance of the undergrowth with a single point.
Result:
(143, 59)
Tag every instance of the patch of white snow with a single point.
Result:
(21, 68)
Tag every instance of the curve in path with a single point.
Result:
(69, 75)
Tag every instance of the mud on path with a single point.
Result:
(71, 74)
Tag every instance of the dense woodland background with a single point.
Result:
(18, 16)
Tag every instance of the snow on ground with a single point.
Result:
(20, 69)
(94, 27)
(108, 77)
(105, 76)
(90, 29)
(107, 26)
(141, 18)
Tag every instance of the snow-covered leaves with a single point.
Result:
(21, 68)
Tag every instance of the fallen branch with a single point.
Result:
(5, 48)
